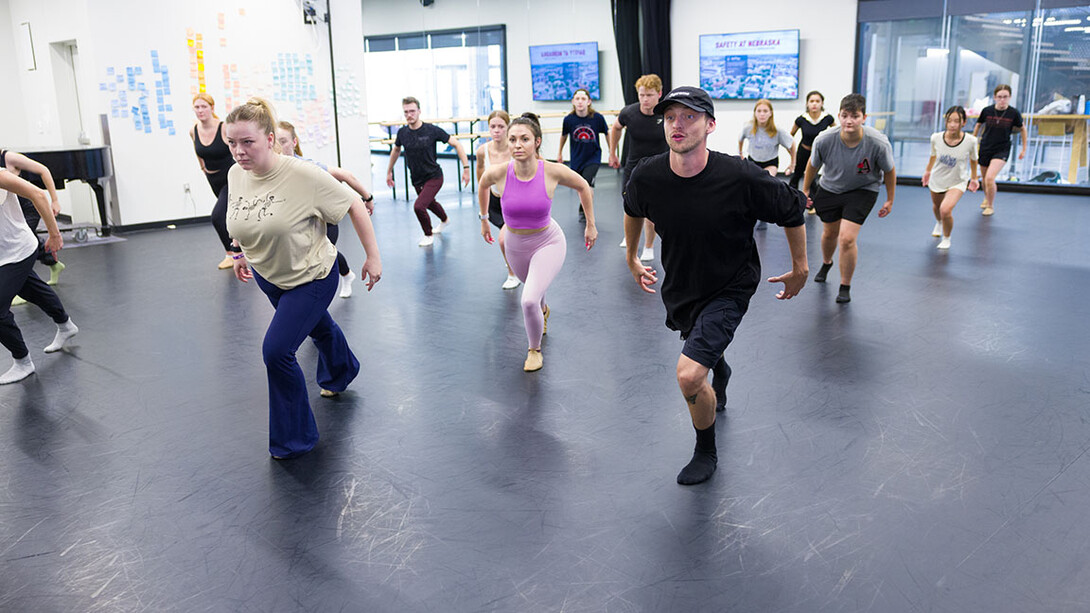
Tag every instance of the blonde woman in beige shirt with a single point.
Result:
(278, 208)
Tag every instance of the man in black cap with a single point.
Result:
(704, 205)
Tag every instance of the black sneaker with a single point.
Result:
(823, 273)
(844, 295)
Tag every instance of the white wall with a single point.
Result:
(13, 130)
(152, 169)
(826, 53)
(533, 22)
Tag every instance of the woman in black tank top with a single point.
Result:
(215, 159)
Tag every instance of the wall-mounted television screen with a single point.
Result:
(750, 65)
(558, 70)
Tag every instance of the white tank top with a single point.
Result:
(17, 241)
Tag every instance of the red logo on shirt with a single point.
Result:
(863, 168)
(584, 134)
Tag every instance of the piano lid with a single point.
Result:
(84, 163)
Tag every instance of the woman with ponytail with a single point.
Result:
(531, 239)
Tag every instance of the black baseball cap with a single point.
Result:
(692, 97)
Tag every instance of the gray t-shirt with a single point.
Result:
(851, 168)
(763, 147)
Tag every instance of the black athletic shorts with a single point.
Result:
(714, 329)
(987, 154)
(853, 206)
(495, 213)
(773, 162)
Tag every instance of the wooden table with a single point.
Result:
(1058, 125)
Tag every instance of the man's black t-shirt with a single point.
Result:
(998, 126)
(419, 149)
(645, 134)
(706, 225)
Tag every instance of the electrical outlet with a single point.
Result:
(185, 187)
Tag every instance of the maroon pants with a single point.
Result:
(425, 201)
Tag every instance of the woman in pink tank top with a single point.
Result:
(532, 240)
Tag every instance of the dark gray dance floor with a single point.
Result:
(923, 448)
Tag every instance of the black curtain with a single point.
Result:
(626, 33)
(643, 50)
(656, 40)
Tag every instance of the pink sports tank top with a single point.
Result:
(526, 205)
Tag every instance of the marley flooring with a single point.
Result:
(923, 448)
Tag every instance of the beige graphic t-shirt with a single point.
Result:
(280, 219)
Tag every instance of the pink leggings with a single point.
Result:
(536, 259)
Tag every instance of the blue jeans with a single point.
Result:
(301, 312)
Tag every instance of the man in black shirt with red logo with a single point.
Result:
(704, 205)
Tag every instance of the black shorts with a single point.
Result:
(987, 154)
(495, 213)
(773, 162)
(714, 329)
(853, 206)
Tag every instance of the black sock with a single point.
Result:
(823, 272)
(704, 461)
(845, 294)
(720, 377)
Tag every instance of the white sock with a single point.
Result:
(21, 369)
(65, 331)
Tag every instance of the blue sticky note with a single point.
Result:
(143, 87)
(102, 87)
(147, 128)
(139, 70)
(171, 131)
(113, 87)
(128, 70)
(115, 113)
(109, 70)
(162, 108)
(170, 108)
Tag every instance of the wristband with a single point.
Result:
(238, 257)
(370, 198)
(482, 217)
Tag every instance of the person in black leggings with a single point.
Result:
(584, 125)
(18, 163)
(215, 158)
(17, 277)
(812, 123)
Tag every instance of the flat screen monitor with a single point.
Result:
(750, 65)
(558, 70)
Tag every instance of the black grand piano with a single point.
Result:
(92, 165)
